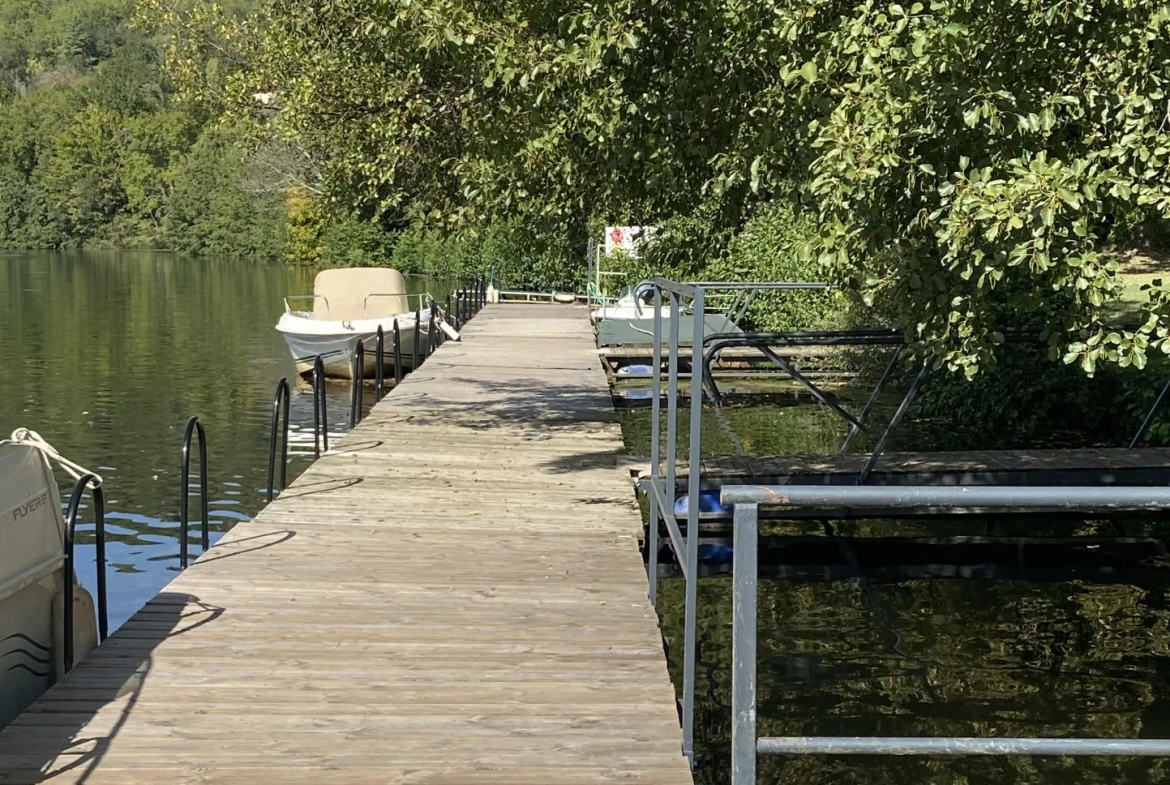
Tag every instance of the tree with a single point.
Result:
(967, 164)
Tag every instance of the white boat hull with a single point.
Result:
(32, 579)
(337, 341)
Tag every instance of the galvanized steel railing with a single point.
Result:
(746, 501)
(661, 484)
(193, 426)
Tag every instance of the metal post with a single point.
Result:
(355, 391)
(320, 409)
(103, 612)
(397, 355)
(855, 428)
(380, 365)
(743, 645)
(447, 311)
(1146, 423)
(417, 326)
(692, 555)
(1065, 497)
(433, 335)
(655, 453)
(894, 421)
(283, 394)
(914, 745)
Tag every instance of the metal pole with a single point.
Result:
(655, 453)
(205, 540)
(1146, 423)
(894, 421)
(432, 333)
(803, 381)
(380, 365)
(743, 645)
(320, 409)
(397, 355)
(358, 371)
(103, 613)
(909, 745)
(694, 475)
(869, 404)
(417, 326)
(1071, 497)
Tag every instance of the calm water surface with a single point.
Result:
(1000, 642)
(107, 355)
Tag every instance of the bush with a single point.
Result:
(1028, 400)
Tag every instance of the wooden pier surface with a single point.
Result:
(453, 595)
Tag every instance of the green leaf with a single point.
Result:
(809, 72)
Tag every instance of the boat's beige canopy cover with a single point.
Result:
(352, 293)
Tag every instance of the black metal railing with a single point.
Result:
(193, 427)
(280, 406)
(103, 617)
(358, 369)
(320, 409)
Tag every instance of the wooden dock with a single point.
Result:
(453, 595)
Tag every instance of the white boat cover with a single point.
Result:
(356, 293)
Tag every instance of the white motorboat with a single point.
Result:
(629, 320)
(32, 578)
(349, 305)
(634, 302)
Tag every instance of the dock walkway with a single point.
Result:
(453, 595)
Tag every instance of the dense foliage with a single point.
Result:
(973, 165)
(94, 152)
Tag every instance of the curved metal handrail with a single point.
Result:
(358, 369)
(103, 616)
(320, 409)
(280, 403)
(193, 426)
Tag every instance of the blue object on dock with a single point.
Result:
(634, 370)
(708, 502)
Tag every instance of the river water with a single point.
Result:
(928, 628)
(107, 355)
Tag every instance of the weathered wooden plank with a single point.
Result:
(453, 595)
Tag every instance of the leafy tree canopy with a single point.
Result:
(970, 164)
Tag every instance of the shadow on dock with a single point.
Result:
(66, 734)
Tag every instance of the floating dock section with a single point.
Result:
(453, 595)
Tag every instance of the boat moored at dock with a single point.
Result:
(350, 305)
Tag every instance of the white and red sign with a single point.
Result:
(627, 238)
